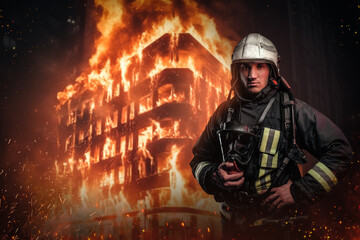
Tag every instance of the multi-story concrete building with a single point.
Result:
(135, 137)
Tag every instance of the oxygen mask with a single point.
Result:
(237, 143)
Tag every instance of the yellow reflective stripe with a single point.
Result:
(268, 180)
(265, 158)
(261, 183)
(324, 176)
(320, 180)
(275, 141)
(264, 139)
(274, 163)
(269, 140)
(269, 158)
(257, 186)
(260, 187)
(328, 172)
(200, 167)
(261, 172)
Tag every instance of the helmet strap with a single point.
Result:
(273, 79)
(233, 89)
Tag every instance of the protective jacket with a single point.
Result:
(314, 132)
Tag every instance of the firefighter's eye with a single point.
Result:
(259, 66)
(244, 67)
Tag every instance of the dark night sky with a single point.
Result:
(36, 61)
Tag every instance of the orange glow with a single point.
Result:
(107, 179)
(145, 104)
(111, 121)
(131, 117)
(109, 148)
(201, 27)
(176, 180)
(145, 136)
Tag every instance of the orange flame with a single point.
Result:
(176, 180)
(122, 114)
(114, 22)
(109, 148)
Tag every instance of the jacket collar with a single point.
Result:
(261, 97)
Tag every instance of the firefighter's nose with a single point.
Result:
(252, 73)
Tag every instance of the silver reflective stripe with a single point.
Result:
(200, 167)
(324, 176)
(225, 211)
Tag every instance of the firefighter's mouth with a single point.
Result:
(252, 84)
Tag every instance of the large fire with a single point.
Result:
(152, 74)
(129, 121)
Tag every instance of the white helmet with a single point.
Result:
(255, 47)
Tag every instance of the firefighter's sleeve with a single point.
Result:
(325, 141)
(207, 155)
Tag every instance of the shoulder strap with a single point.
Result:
(266, 110)
(287, 103)
(230, 111)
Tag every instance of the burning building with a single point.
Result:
(132, 141)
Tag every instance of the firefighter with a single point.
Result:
(249, 152)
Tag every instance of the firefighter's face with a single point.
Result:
(254, 75)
